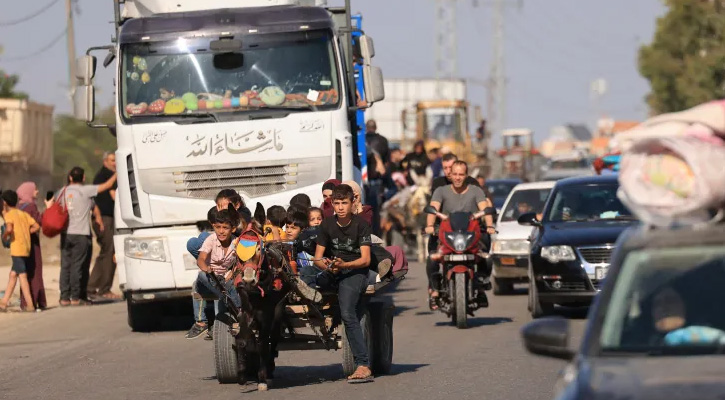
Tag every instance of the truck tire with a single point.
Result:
(143, 317)
(348, 361)
(460, 312)
(382, 314)
(225, 353)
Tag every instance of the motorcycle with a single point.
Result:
(459, 253)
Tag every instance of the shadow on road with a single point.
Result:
(480, 321)
(294, 376)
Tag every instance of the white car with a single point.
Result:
(510, 246)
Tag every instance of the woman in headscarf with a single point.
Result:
(27, 196)
(364, 211)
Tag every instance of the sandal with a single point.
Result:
(64, 303)
(76, 303)
(361, 377)
(111, 296)
(4, 308)
(432, 302)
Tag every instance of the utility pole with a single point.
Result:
(71, 45)
(446, 46)
(498, 71)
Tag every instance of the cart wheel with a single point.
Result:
(348, 362)
(225, 355)
(382, 318)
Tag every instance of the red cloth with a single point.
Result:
(35, 266)
(400, 261)
(367, 214)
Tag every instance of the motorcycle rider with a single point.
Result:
(447, 161)
(460, 196)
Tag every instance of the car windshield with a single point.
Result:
(500, 189)
(587, 202)
(668, 301)
(524, 201)
(172, 80)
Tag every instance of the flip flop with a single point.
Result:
(366, 379)
(360, 379)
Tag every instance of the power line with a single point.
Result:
(37, 52)
(30, 16)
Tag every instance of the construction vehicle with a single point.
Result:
(518, 158)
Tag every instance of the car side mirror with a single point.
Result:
(430, 210)
(548, 337)
(529, 219)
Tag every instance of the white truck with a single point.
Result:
(255, 95)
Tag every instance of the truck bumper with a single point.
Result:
(158, 295)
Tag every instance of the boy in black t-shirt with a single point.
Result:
(346, 239)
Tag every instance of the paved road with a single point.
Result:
(91, 353)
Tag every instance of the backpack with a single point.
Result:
(55, 218)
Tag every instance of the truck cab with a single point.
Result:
(258, 97)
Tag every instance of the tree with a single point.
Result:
(685, 63)
(7, 87)
(77, 144)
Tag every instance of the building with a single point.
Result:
(566, 139)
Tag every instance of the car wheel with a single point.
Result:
(502, 286)
(537, 307)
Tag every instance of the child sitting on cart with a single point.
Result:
(346, 239)
(216, 256)
(296, 224)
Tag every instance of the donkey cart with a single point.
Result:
(298, 324)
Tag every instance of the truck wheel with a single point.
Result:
(348, 361)
(225, 354)
(502, 286)
(460, 312)
(382, 314)
(143, 317)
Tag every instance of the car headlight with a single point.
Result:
(510, 246)
(460, 241)
(554, 254)
(145, 248)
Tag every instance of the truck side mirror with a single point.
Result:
(374, 88)
(367, 49)
(85, 69)
(84, 103)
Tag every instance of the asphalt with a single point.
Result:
(90, 353)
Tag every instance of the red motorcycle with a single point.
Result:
(459, 253)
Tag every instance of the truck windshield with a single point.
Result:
(272, 74)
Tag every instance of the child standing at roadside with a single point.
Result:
(19, 225)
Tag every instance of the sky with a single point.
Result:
(553, 50)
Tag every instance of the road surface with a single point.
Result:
(90, 353)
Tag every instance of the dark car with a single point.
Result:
(499, 190)
(572, 244)
(656, 330)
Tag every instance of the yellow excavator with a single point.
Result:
(444, 123)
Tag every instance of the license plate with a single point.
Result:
(460, 257)
(508, 261)
(600, 273)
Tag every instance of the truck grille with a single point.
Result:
(251, 181)
(596, 255)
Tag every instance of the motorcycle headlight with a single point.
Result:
(510, 247)
(460, 241)
(145, 248)
(554, 254)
